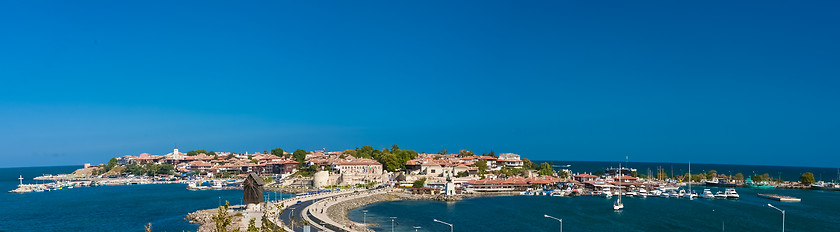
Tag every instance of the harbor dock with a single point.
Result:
(779, 197)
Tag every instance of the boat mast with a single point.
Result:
(690, 195)
(620, 174)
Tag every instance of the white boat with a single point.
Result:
(618, 205)
(691, 193)
(720, 194)
(682, 193)
(707, 193)
(606, 194)
(217, 184)
(731, 194)
(655, 193)
(713, 181)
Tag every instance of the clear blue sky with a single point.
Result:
(713, 81)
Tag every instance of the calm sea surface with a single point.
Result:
(104, 208)
(128, 208)
(826, 174)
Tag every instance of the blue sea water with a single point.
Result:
(827, 174)
(104, 208)
(130, 207)
(817, 212)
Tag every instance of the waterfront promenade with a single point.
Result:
(320, 210)
(312, 208)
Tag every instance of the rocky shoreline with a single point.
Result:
(204, 219)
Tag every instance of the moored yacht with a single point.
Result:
(707, 193)
(731, 194)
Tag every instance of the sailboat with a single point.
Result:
(618, 205)
(690, 194)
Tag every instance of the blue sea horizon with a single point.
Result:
(130, 207)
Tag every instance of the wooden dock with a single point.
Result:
(779, 197)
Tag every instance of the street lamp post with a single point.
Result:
(451, 227)
(364, 217)
(723, 223)
(783, 216)
(392, 223)
(560, 220)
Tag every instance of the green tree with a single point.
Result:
(698, 177)
(223, 219)
(807, 178)
(230, 156)
(391, 162)
(760, 178)
(395, 148)
(212, 153)
(196, 152)
(564, 175)
(266, 225)
(482, 167)
(252, 227)
(134, 169)
(167, 169)
(527, 164)
(278, 152)
(443, 151)
(739, 176)
(598, 173)
(419, 183)
(463, 174)
(711, 174)
(300, 155)
(366, 152)
(350, 152)
(493, 154)
(268, 179)
(111, 164)
(465, 153)
(546, 170)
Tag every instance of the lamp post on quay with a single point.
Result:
(451, 227)
(783, 216)
(560, 220)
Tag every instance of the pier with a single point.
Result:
(779, 197)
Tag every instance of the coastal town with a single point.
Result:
(366, 175)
